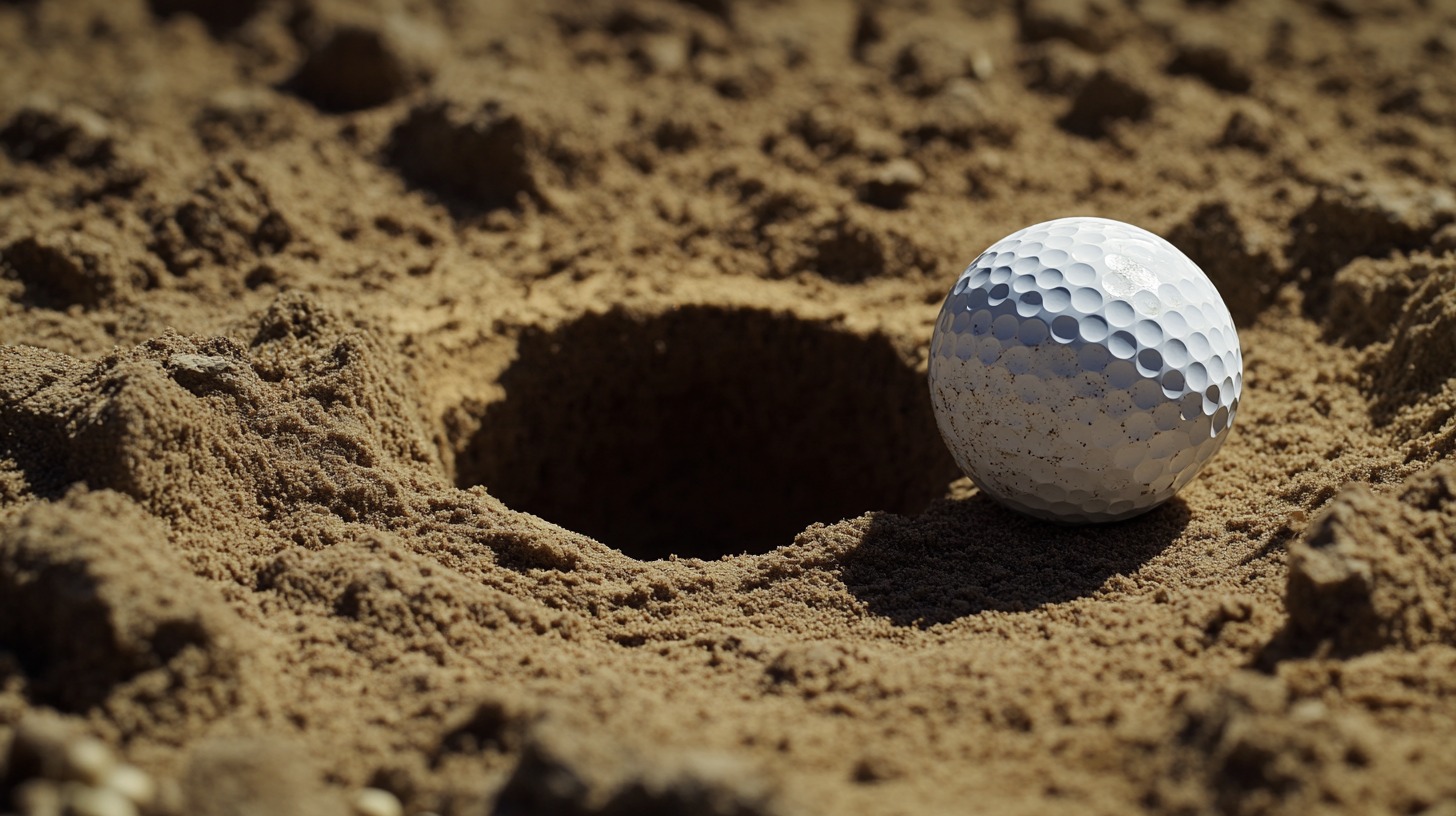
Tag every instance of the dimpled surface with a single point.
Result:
(1084, 369)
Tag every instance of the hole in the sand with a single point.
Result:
(706, 431)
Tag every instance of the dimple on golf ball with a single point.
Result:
(1084, 369)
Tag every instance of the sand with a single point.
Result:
(519, 407)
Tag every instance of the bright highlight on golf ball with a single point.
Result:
(1084, 369)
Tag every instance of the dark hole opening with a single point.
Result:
(706, 431)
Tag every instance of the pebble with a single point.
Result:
(89, 760)
(133, 783)
(888, 186)
(377, 802)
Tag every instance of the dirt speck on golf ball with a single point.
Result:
(521, 407)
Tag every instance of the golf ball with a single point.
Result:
(1084, 369)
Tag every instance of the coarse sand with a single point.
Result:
(518, 407)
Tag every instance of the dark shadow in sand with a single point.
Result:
(706, 431)
(967, 556)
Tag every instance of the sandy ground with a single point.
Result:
(514, 407)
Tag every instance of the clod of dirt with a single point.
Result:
(494, 723)
(312, 355)
(666, 53)
(482, 154)
(888, 185)
(799, 235)
(676, 134)
(958, 117)
(92, 422)
(1213, 63)
(869, 29)
(1214, 239)
(831, 134)
(491, 153)
(68, 268)
(1421, 357)
(43, 130)
(1105, 98)
(91, 565)
(245, 117)
(1090, 24)
(357, 64)
(1372, 219)
(1056, 67)
(1419, 97)
(661, 39)
(1255, 746)
(1375, 571)
(737, 78)
(853, 247)
(925, 64)
(1368, 297)
(1251, 127)
(228, 218)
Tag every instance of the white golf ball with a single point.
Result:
(1084, 369)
